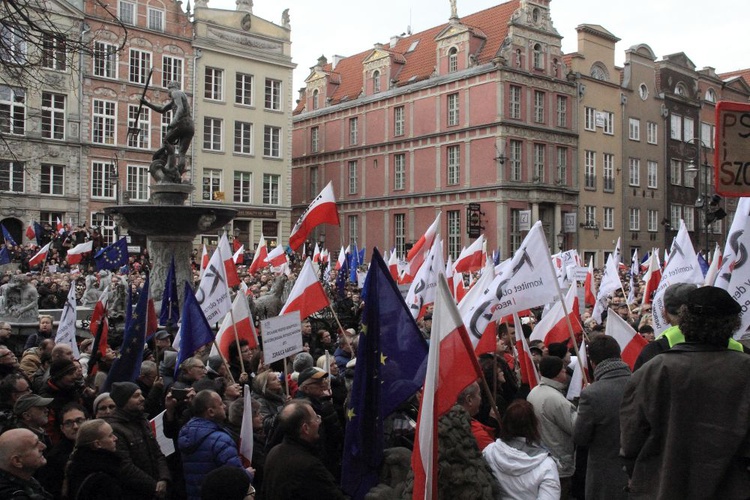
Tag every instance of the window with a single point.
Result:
(652, 133)
(652, 172)
(538, 56)
(590, 119)
(375, 81)
(272, 141)
(53, 116)
(710, 96)
(608, 172)
(454, 165)
(243, 187)
(273, 94)
(171, 71)
(13, 47)
(539, 157)
(243, 138)
(634, 216)
(127, 12)
(398, 120)
(589, 162)
(315, 139)
(653, 221)
(452, 109)
(155, 19)
(314, 182)
(609, 122)
(106, 225)
(707, 134)
(138, 182)
(609, 218)
(675, 216)
(316, 99)
(212, 133)
(515, 102)
(12, 110)
(11, 176)
(599, 72)
(352, 172)
(515, 230)
(103, 180)
(675, 129)
(399, 171)
(213, 87)
(52, 180)
(399, 233)
(688, 215)
(105, 60)
(54, 52)
(142, 138)
(454, 233)
(634, 171)
(589, 215)
(680, 89)
(562, 165)
(516, 153)
(243, 91)
(689, 129)
(212, 184)
(353, 221)
(140, 64)
(353, 132)
(634, 129)
(452, 60)
(643, 91)
(166, 119)
(562, 111)
(271, 189)
(103, 129)
(539, 106)
(675, 172)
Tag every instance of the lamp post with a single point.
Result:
(710, 208)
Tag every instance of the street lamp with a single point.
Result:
(560, 240)
(710, 207)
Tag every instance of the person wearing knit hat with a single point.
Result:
(62, 387)
(120, 392)
(226, 483)
(104, 405)
(689, 407)
(302, 361)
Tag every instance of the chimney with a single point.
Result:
(394, 40)
(336, 60)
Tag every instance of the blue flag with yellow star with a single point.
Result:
(4, 256)
(127, 366)
(391, 364)
(113, 256)
(7, 237)
(195, 332)
(170, 306)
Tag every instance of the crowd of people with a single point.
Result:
(66, 434)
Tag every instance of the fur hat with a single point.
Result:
(120, 392)
(712, 301)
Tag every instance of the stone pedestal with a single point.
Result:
(161, 249)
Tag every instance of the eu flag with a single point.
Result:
(391, 364)
(7, 237)
(341, 277)
(39, 233)
(353, 263)
(127, 366)
(195, 332)
(112, 257)
(4, 256)
(170, 307)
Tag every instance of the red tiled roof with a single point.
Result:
(744, 73)
(491, 24)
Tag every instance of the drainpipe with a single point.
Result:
(85, 28)
(198, 55)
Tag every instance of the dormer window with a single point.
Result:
(375, 82)
(316, 99)
(599, 72)
(453, 60)
(680, 89)
(710, 96)
(538, 56)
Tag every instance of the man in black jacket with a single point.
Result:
(21, 454)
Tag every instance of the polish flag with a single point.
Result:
(579, 377)
(393, 266)
(553, 327)
(321, 211)
(324, 256)
(277, 256)
(225, 251)
(488, 339)
(422, 291)
(316, 254)
(59, 225)
(204, 260)
(40, 256)
(713, 269)
(341, 260)
(30, 233)
(652, 278)
(307, 295)
(246, 430)
(421, 248)
(75, 254)
(529, 373)
(589, 287)
(451, 367)
(471, 258)
(459, 290)
(152, 320)
(631, 343)
(238, 256)
(259, 259)
(99, 321)
(449, 273)
(239, 320)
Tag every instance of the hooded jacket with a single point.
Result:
(523, 471)
(204, 446)
(557, 418)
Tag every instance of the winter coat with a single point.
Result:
(30, 362)
(523, 471)
(14, 488)
(598, 428)
(52, 474)
(205, 446)
(557, 417)
(685, 423)
(270, 406)
(138, 450)
(99, 475)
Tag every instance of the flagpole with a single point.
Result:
(341, 328)
(224, 361)
(234, 328)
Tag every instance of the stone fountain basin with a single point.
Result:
(165, 220)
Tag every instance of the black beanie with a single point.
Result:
(550, 366)
(225, 483)
(61, 367)
(558, 349)
(120, 392)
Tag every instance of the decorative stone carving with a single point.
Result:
(18, 302)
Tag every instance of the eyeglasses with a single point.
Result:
(71, 423)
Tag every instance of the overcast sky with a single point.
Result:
(711, 33)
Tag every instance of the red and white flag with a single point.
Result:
(393, 266)
(589, 286)
(239, 320)
(713, 269)
(59, 225)
(487, 340)
(449, 273)
(451, 367)
(322, 210)
(259, 259)
(246, 430)
(316, 254)
(529, 373)
(421, 248)
(204, 260)
(40, 256)
(651, 278)
(342, 258)
(308, 295)
(226, 255)
(610, 282)
(238, 256)
(213, 292)
(277, 256)
(631, 343)
(471, 258)
(75, 254)
(30, 233)
(553, 327)
(422, 291)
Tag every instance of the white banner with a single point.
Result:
(282, 337)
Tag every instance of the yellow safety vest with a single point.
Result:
(674, 336)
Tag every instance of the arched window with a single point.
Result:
(538, 56)
(535, 15)
(453, 60)
(710, 95)
(375, 82)
(599, 72)
(316, 99)
(680, 89)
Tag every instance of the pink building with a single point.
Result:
(477, 112)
